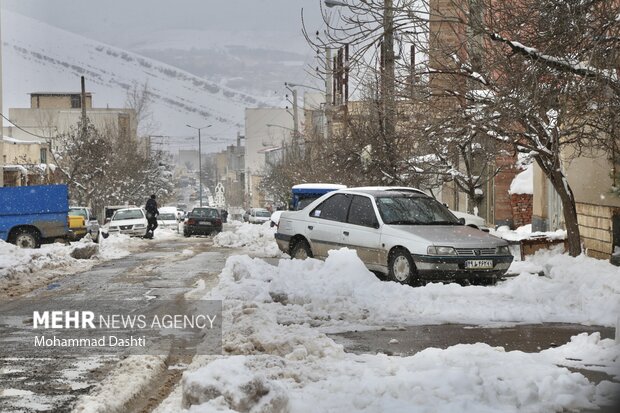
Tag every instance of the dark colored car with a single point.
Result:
(203, 221)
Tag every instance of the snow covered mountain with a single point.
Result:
(41, 58)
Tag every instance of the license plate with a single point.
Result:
(204, 223)
(479, 264)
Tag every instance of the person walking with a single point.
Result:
(151, 216)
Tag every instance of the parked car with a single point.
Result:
(130, 221)
(203, 221)
(109, 210)
(258, 215)
(168, 218)
(471, 220)
(92, 225)
(402, 233)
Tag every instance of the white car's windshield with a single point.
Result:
(264, 214)
(127, 214)
(80, 212)
(414, 210)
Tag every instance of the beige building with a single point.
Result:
(265, 129)
(25, 155)
(54, 113)
(26, 163)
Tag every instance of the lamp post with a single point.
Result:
(199, 160)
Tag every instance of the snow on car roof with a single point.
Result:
(319, 186)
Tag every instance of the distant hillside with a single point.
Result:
(38, 57)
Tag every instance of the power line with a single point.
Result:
(24, 130)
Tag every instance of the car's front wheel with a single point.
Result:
(401, 267)
(301, 250)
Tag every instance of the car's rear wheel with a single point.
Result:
(301, 250)
(25, 238)
(401, 267)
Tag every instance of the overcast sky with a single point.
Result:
(115, 21)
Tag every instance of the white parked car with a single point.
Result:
(168, 218)
(130, 221)
(258, 215)
(402, 233)
(471, 220)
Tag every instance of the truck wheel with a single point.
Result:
(26, 238)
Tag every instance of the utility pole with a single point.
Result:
(199, 160)
(295, 118)
(387, 75)
(328, 93)
(83, 105)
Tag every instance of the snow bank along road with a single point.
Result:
(288, 325)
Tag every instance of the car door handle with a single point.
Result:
(345, 233)
(310, 227)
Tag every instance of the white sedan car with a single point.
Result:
(130, 221)
(258, 215)
(402, 233)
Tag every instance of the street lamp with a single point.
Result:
(199, 160)
(289, 84)
(332, 3)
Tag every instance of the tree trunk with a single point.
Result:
(560, 184)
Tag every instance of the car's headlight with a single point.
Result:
(441, 251)
(503, 250)
(139, 226)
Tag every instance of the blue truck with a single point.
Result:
(32, 215)
(304, 194)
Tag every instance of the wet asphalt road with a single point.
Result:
(159, 271)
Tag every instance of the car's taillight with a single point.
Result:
(191, 221)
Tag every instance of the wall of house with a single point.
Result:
(56, 101)
(590, 179)
(597, 209)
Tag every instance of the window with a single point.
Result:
(334, 208)
(43, 155)
(362, 212)
(76, 101)
(414, 210)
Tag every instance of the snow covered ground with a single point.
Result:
(279, 359)
(277, 356)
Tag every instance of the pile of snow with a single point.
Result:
(26, 268)
(275, 318)
(22, 269)
(253, 238)
(525, 232)
(523, 183)
(341, 294)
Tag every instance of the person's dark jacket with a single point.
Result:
(151, 207)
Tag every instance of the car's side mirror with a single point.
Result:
(462, 221)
